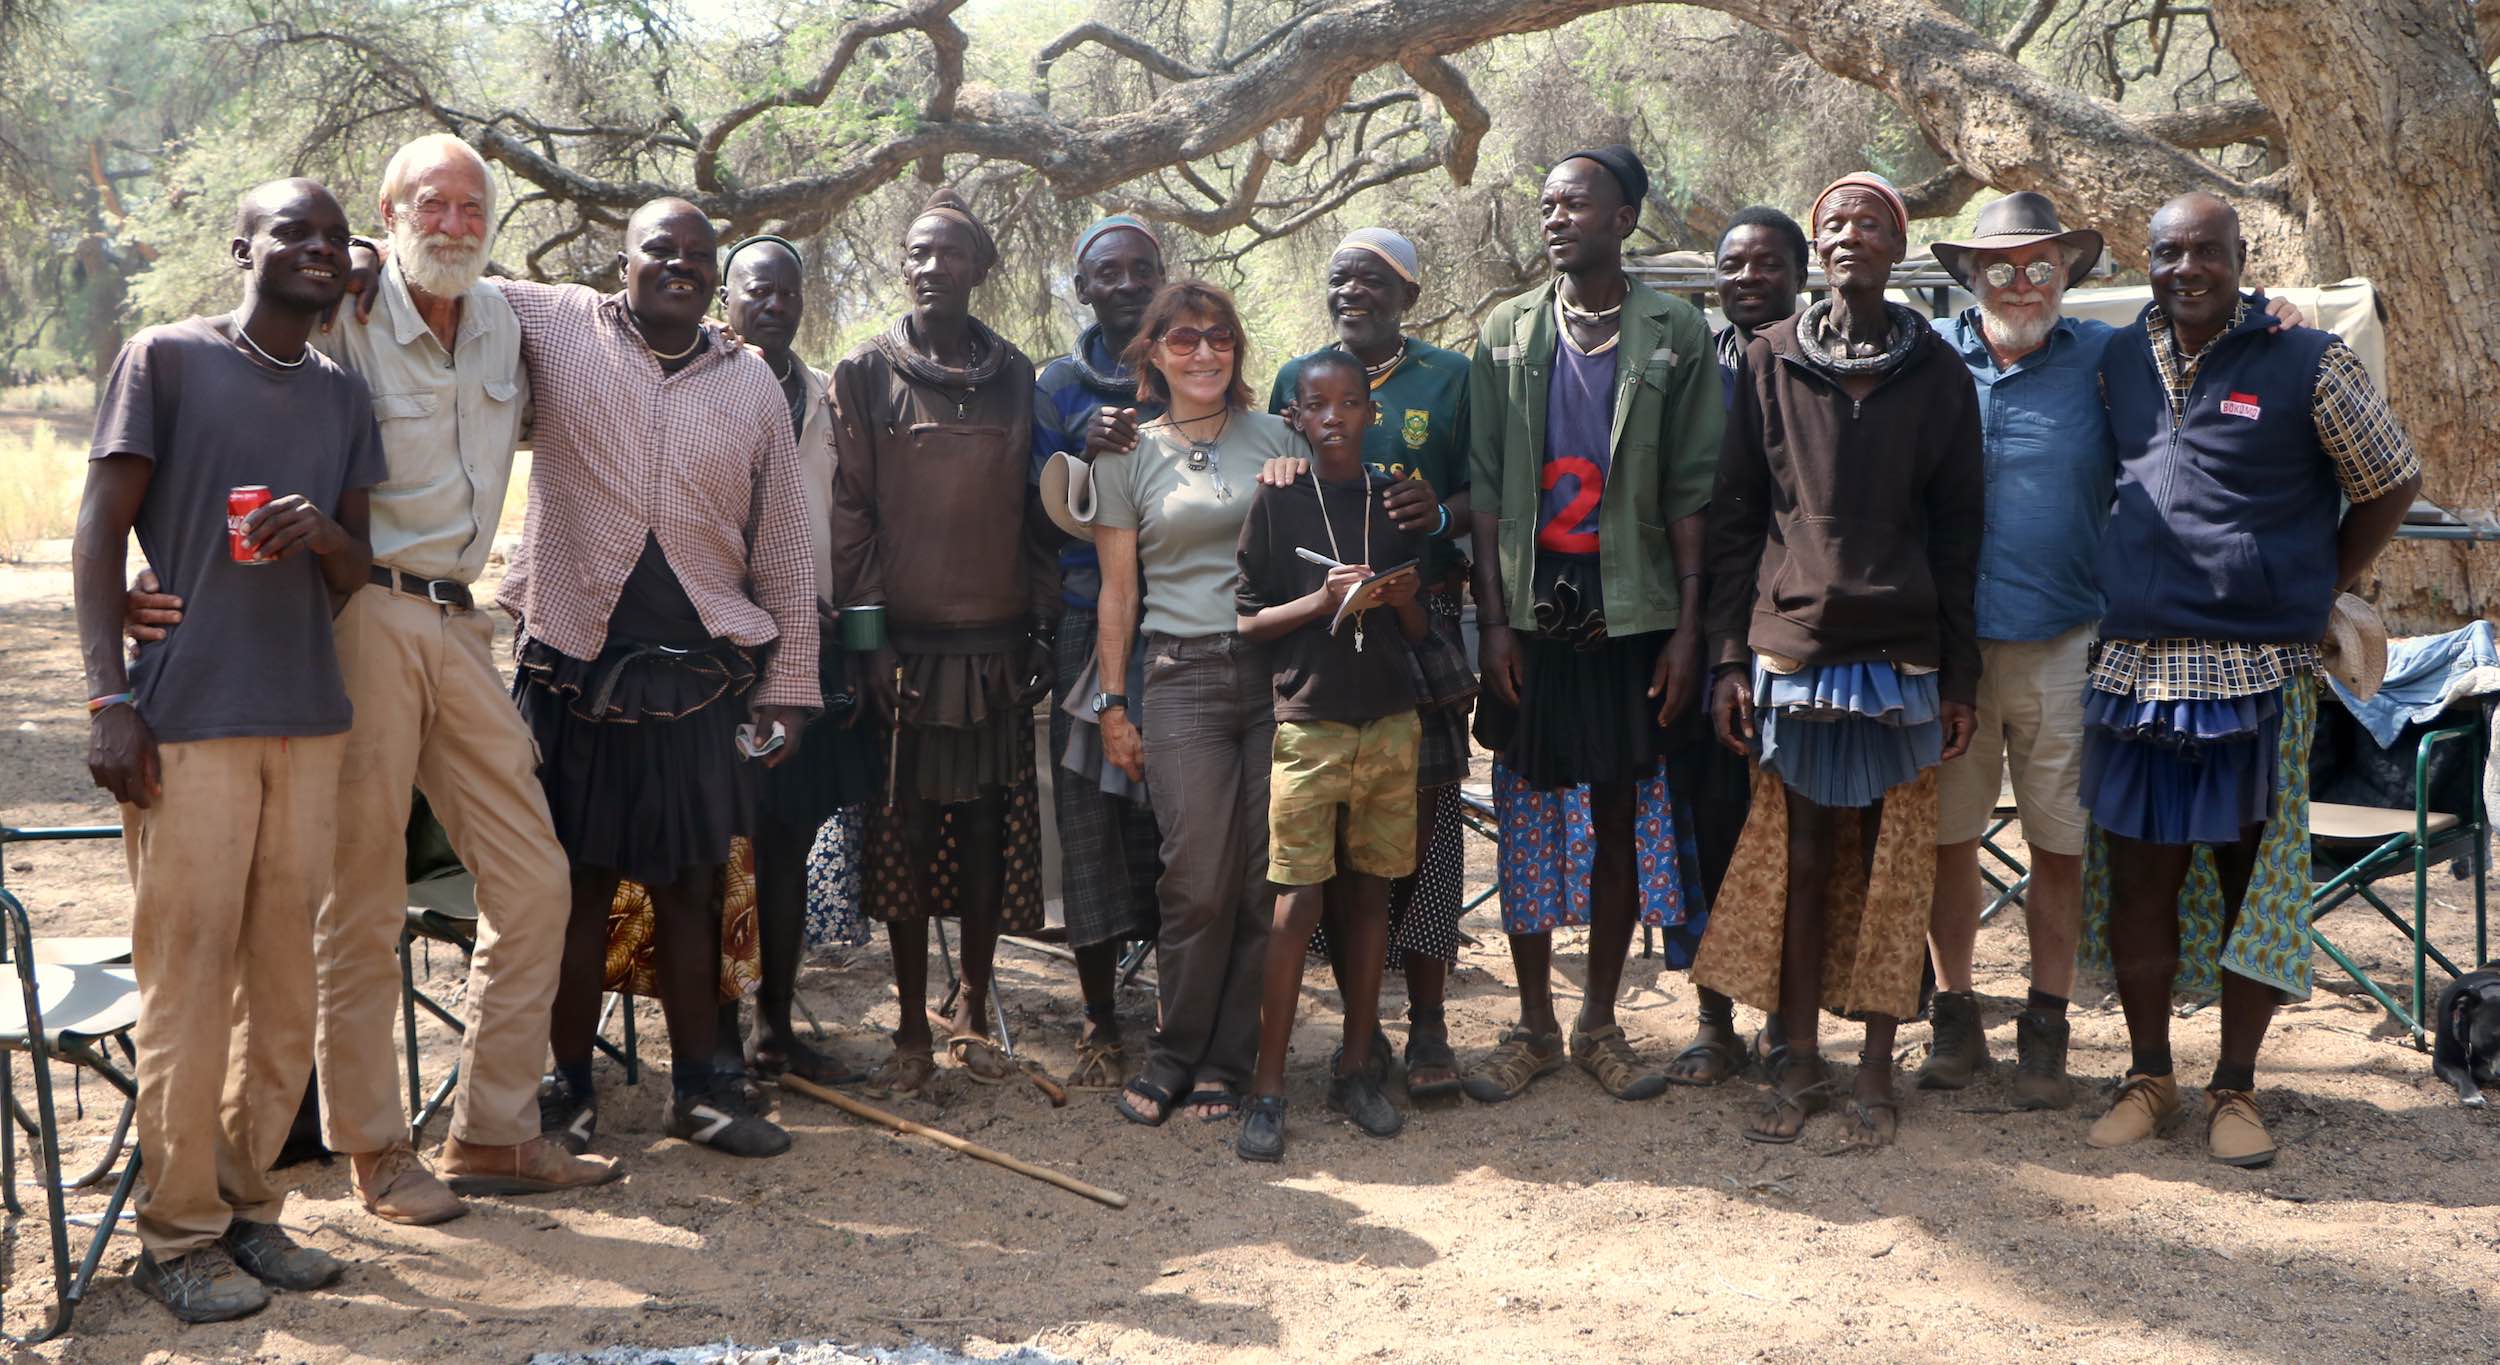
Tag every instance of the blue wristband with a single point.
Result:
(1444, 528)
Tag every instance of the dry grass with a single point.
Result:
(41, 467)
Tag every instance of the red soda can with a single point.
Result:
(240, 504)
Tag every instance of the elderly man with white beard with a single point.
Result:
(443, 358)
(2051, 470)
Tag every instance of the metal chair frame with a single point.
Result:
(2415, 849)
(432, 926)
(42, 1125)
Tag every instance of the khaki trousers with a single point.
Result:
(432, 712)
(228, 867)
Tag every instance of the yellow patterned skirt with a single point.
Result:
(631, 941)
(1875, 927)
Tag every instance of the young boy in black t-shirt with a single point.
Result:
(1346, 733)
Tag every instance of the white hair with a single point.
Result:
(425, 154)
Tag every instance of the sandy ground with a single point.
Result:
(1561, 1226)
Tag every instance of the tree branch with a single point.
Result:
(2029, 28)
(1469, 119)
(2213, 125)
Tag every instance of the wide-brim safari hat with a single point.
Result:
(2018, 220)
(1067, 483)
(2355, 649)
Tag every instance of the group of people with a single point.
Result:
(1763, 618)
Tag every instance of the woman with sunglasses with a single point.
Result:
(1166, 516)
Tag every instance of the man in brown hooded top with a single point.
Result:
(934, 519)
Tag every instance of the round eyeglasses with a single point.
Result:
(2038, 272)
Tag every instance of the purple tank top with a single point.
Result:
(1579, 448)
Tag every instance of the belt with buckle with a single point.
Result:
(442, 592)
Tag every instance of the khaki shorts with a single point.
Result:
(2030, 724)
(1369, 770)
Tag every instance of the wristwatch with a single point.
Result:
(1104, 701)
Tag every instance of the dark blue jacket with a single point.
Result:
(2224, 527)
(1066, 392)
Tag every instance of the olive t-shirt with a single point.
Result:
(1186, 507)
(253, 655)
(1347, 676)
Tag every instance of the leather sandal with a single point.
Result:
(1513, 1064)
(1607, 1054)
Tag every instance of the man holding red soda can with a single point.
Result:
(223, 742)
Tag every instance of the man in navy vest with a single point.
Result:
(2222, 559)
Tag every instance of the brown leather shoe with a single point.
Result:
(538, 1166)
(394, 1184)
(2233, 1132)
(2143, 1105)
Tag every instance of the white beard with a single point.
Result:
(442, 264)
(2021, 335)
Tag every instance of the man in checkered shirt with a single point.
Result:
(2237, 446)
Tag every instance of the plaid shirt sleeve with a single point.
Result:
(2360, 435)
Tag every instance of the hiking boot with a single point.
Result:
(538, 1166)
(2143, 1105)
(1358, 1097)
(570, 1119)
(2040, 1061)
(1959, 1051)
(268, 1255)
(720, 1118)
(2234, 1134)
(202, 1285)
(395, 1185)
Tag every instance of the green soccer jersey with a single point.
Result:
(1419, 430)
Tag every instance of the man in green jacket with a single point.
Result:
(1596, 413)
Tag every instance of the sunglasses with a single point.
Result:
(1186, 340)
(2039, 273)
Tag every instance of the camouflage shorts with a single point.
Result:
(1369, 770)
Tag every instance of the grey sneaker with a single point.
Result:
(2040, 1080)
(268, 1255)
(1960, 1050)
(201, 1286)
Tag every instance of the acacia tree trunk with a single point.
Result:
(2387, 111)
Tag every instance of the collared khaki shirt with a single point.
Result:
(450, 421)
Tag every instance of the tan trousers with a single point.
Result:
(228, 867)
(432, 712)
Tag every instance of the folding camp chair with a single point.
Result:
(76, 1012)
(2353, 846)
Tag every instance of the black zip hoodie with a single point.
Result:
(1847, 530)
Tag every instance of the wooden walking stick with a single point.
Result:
(898, 1123)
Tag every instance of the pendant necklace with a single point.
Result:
(1202, 453)
(1319, 491)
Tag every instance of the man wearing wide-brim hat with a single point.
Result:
(2051, 467)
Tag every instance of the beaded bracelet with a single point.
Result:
(96, 704)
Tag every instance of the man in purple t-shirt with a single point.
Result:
(222, 742)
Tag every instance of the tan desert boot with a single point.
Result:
(2143, 1105)
(394, 1184)
(2234, 1133)
(538, 1166)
